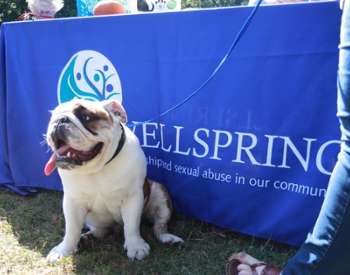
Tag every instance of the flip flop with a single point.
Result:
(232, 264)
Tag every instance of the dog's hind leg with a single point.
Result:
(158, 209)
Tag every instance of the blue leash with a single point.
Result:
(216, 70)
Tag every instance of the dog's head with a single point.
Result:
(83, 134)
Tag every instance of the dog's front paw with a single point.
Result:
(57, 253)
(136, 248)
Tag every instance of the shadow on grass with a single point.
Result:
(38, 224)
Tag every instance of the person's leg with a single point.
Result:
(324, 251)
(318, 249)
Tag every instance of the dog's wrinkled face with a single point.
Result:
(81, 132)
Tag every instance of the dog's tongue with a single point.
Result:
(51, 164)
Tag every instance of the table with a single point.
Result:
(251, 152)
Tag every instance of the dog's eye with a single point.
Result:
(84, 115)
(86, 118)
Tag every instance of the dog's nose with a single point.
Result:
(60, 130)
(63, 120)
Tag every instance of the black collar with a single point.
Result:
(120, 145)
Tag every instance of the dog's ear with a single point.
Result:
(115, 108)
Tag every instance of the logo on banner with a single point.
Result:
(89, 75)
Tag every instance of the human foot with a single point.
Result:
(244, 264)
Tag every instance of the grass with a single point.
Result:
(31, 226)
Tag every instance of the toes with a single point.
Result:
(244, 267)
(237, 256)
(244, 258)
(53, 257)
(170, 238)
(137, 249)
(242, 263)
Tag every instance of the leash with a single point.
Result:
(215, 71)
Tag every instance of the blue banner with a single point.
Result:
(252, 151)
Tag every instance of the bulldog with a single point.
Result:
(103, 172)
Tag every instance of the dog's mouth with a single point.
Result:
(66, 157)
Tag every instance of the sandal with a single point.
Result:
(232, 264)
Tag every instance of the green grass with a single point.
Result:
(31, 226)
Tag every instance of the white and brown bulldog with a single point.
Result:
(103, 172)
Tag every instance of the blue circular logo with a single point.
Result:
(89, 75)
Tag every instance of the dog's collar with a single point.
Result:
(120, 145)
